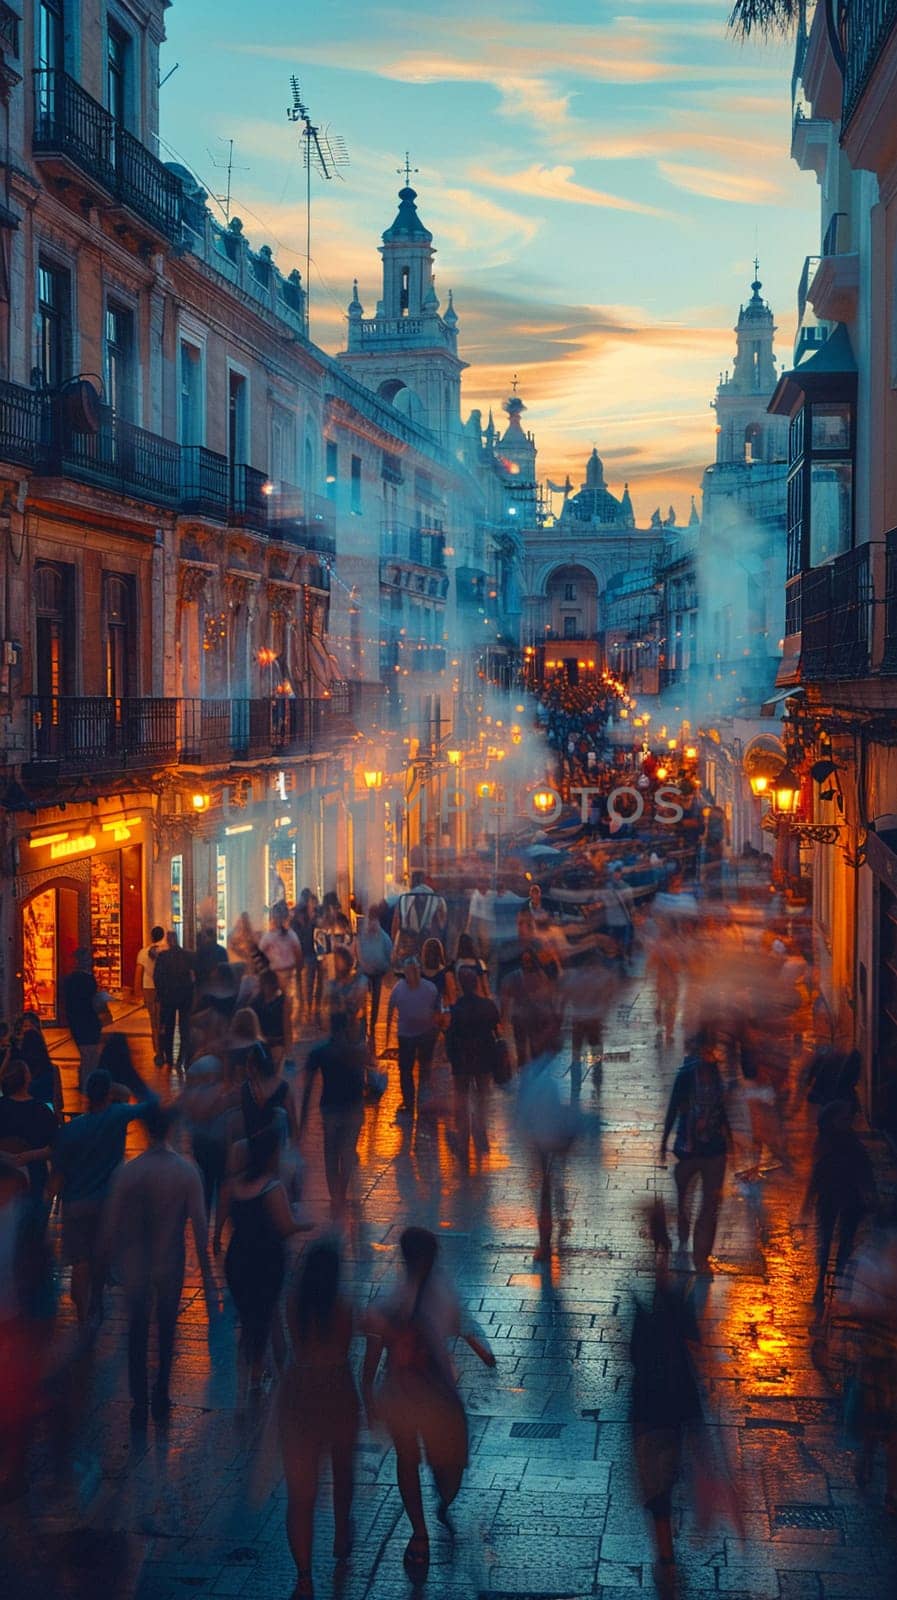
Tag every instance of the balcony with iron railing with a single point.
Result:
(21, 423)
(889, 653)
(835, 623)
(69, 125)
(835, 283)
(867, 27)
(130, 460)
(74, 735)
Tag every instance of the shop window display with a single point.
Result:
(105, 921)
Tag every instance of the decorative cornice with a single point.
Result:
(192, 579)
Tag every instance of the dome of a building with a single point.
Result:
(407, 224)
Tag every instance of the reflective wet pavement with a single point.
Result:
(549, 1506)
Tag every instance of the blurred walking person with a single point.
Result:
(318, 1409)
(145, 986)
(374, 961)
(341, 1062)
(151, 1201)
(548, 1127)
(80, 994)
(471, 1046)
(262, 1220)
(283, 952)
(841, 1191)
(703, 1139)
(415, 1003)
(173, 977)
(418, 1400)
(666, 1402)
(529, 1002)
(85, 1157)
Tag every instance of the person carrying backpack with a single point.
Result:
(697, 1108)
(420, 914)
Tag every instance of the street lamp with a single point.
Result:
(454, 757)
(786, 792)
(759, 784)
(373, 779)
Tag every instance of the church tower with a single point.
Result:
(408, 352)
(744, 430)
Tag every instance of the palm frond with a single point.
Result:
(768, 18)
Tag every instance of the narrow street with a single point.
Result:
(549, 1506)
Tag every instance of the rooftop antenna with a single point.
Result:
(324, 151)
(227, 165)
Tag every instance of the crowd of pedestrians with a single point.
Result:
(298, 1026)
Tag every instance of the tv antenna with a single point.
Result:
(325, 152)
(227, 165)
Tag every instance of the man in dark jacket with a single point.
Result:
(173, 976)
(79, 993)
(471, 1047)
(697, 1109)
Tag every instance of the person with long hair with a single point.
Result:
(318, 1409)
(262, 1220)
(435, 967)
(418, 1401)
(466, 956)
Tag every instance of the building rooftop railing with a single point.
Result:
(867, 26)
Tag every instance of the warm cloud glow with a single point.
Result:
(557, 183)
(742, 188)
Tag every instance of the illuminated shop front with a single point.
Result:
(80, 884)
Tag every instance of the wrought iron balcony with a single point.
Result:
(76, 735)
(92, 733)
(867, 26)
(119, 456)
(21, 423)
(889, 655)
(836, 618)
(205, 482)
(810, 268)
(70, 124)
(249, 497)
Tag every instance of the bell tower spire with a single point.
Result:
(408, 352)
(745, 432)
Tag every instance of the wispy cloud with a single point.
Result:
(713, 183)
(558, 183)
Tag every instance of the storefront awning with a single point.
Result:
(768, 708)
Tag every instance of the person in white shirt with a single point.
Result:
(145, 986)
(281, 948)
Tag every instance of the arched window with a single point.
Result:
(753, 442)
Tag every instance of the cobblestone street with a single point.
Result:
(549, 1506)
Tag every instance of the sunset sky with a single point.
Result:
(597, 184)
